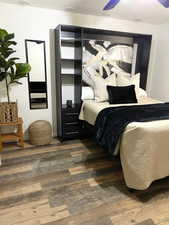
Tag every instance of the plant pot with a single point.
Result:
(8, 112)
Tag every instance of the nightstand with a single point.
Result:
(71, 125)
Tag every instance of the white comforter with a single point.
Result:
(144, 146)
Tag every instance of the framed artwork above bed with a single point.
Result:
(103, 58)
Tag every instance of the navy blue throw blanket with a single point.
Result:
(111, 122)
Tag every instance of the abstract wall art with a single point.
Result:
(103, 58)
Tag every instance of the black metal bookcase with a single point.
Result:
(68, 124)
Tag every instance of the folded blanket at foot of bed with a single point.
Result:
(111, 122)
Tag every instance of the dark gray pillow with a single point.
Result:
(121, 95)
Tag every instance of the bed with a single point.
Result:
(113, 72)
(143, 146)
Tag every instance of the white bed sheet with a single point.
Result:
(144, 146)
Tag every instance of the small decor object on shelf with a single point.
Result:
(40, 132)
(10, 72)
(69, 103)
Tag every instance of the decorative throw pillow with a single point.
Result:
(141, 93)
(87, 93)
(126, 80)
(100, 87)
(121, 95)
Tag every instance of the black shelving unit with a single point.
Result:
(68, 124)
(69, 69)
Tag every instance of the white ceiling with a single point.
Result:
(149, 11)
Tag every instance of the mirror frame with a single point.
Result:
(45, 69)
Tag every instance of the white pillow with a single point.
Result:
(100, 87)
(126, 80)
(141, 93)
(87, 93)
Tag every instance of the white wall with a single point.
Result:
(35, 23)
(160, 81)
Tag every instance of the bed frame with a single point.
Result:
(66, 35)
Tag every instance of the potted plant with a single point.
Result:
(10, 72)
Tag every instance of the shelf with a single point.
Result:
(71, 74)
(10, 136)
(74, 106)
(70, 28)
(71, 42)
(68, 80)
(72, 60)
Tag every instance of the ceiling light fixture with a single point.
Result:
(165, 3)
(112, 3)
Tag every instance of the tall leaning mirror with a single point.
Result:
(37, 78)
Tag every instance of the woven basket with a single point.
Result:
(40, 132)
(8, 112)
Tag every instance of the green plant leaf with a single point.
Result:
(9, 36)
(15, 82)
(8, 53)
(2, 62)
(11, 43)
(14, 58)
(3, 75)
(22, 69)
(12, 70)
(8, 67)
(9, 64)
(3, 34)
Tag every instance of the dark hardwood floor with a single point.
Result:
(74, 183)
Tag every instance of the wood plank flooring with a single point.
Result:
(74, 183)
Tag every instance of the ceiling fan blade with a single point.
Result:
(111, 4)
(165, 3)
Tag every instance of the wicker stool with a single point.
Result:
(40, 132)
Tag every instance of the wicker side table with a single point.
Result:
(40, 132)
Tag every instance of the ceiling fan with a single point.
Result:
(112, 3)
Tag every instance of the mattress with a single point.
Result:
(144, 146)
